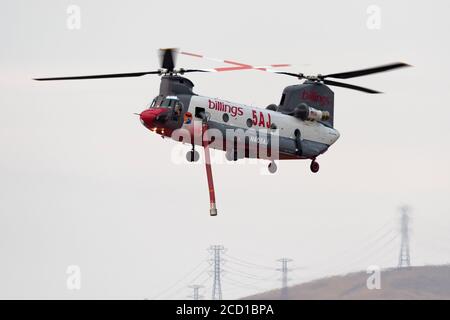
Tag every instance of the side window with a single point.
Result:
(178, 107)
(177, 110)
(199, 112)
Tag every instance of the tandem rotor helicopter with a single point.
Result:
(302, 123)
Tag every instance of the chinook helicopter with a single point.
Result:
(301, 126)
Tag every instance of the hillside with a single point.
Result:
(426, 282)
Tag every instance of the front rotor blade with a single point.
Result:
(224, 69)
(167, 58)
(349, 86)
(363, 72)
(101, 76)
(215, 59)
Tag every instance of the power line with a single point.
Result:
(201, 273)
(180, 280)
(251, 282)
(370, 253)
(362, 250)
(242, 284)
(367, 241)
(245, 274)
(247, 263)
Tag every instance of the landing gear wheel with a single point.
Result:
(314, 166)
(272, 167)
(192, 156)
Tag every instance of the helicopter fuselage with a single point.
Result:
(296, 139)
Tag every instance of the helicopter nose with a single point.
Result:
(148, 118)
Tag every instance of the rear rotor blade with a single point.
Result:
(296, 75)
(363, 72)
(349, 86)
(101, 76)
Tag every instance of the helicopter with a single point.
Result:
(300, 126)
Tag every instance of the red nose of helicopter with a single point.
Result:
(148, 118)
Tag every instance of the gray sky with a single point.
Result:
(84, 183)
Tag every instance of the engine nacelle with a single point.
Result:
(305, 112)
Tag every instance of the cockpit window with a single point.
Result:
(152, 104)
(169, 102)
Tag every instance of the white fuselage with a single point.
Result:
(239, 115)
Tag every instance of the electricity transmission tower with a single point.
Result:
(196, 295)
(404, 258)
(216, 250)
(284, 277)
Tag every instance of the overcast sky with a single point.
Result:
(83, 183)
